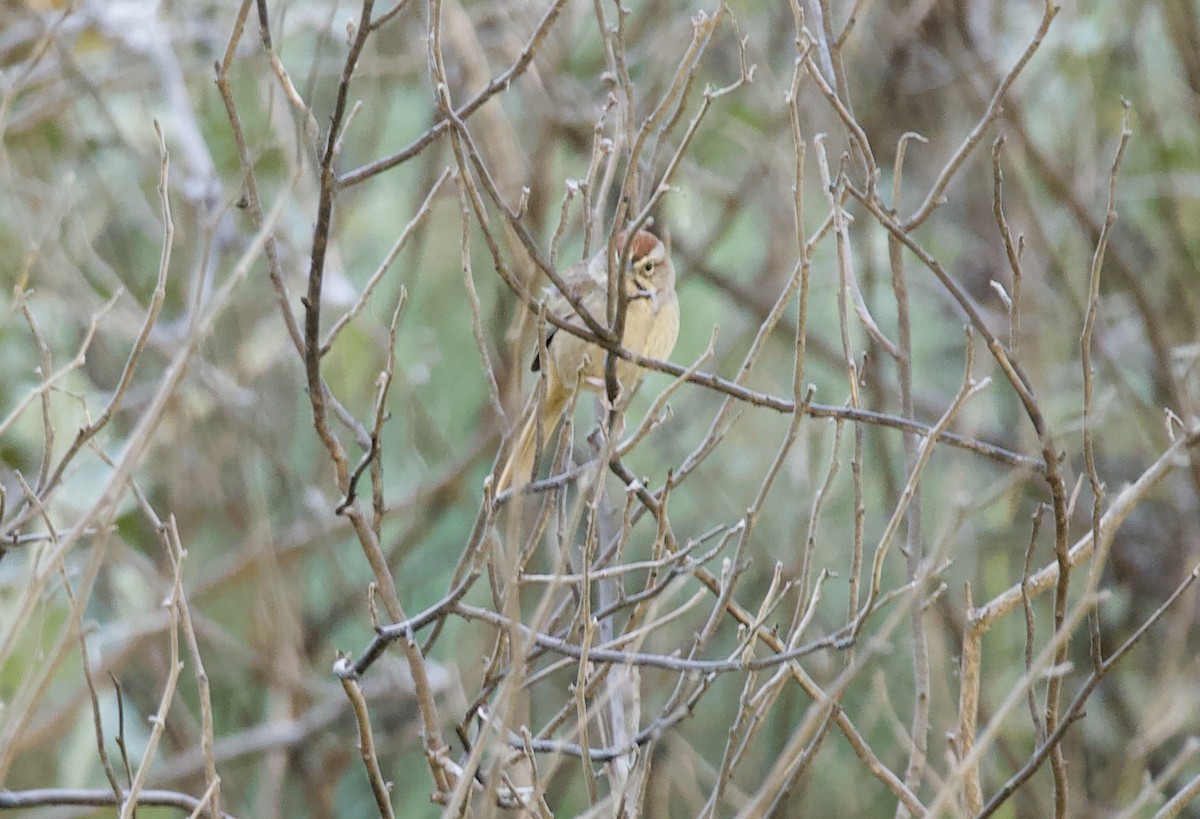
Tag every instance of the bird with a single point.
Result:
(651, 329)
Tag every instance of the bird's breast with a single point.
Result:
(652, 325)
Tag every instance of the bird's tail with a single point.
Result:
(518, 469)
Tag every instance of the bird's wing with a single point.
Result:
(587, 289)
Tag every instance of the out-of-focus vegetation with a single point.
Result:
(195, 549)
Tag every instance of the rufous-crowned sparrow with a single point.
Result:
(651, 327)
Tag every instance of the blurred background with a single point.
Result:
(223, 441)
